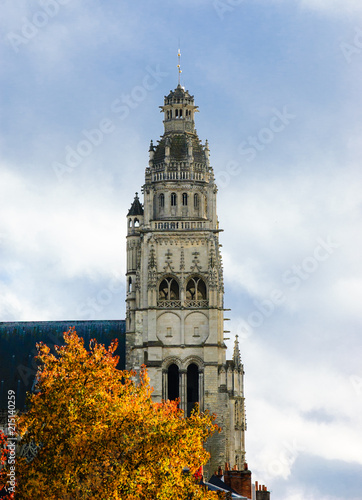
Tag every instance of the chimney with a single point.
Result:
(239, 480)
(219, 472)
(261, 492)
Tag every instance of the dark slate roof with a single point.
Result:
(18, 348)
(179, 148)
(136, 207)
(179, 93)
(219, 483)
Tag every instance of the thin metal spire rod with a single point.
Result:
(179, 66)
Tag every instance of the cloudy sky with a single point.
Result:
(278, 84)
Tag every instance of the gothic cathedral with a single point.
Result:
(175, 305)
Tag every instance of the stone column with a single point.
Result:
(183, 390)
(164, 384)
(201, 389)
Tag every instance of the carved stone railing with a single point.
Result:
(196, 303)
(177, 225)
(169, 304)
(175, 175)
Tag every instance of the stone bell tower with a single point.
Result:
(175, 306)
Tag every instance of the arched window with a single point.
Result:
(196, 289)
(192, 387)
(136, 223)
(168, 290)
(130, 284)
(196, 200)
(161, 200)
(184, 199)
(173, 384)
(129, 222)
(173, 199)
(180, 113)
(176, 112)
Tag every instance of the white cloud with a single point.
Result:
(334, 7)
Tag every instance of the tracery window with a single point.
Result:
(169, 289)
(184, 199)
(169, 293)
(173, 199)
(196, 293)
(196, 200)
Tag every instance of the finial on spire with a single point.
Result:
(179, 66)
(236, 353)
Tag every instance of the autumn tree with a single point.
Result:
(101, 436)
(6, 489)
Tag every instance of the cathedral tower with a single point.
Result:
(175, 306)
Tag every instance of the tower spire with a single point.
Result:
(236, 353)
(179, 66)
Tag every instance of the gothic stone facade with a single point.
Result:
(175, 306)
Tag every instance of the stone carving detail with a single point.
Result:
(168, 266)
(181, 240)
(213, 274)
(221, 274)
(196, 262)
(152, 268)
(182, 259)
(138, 280)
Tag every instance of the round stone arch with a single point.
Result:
(193, 359)
(172, 360)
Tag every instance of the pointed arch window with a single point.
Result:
(196, 200)
(196, 293)
(173, 199)
(184, 199)
(169, 293)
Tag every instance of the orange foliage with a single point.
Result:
(102, 436)
(4, 467)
